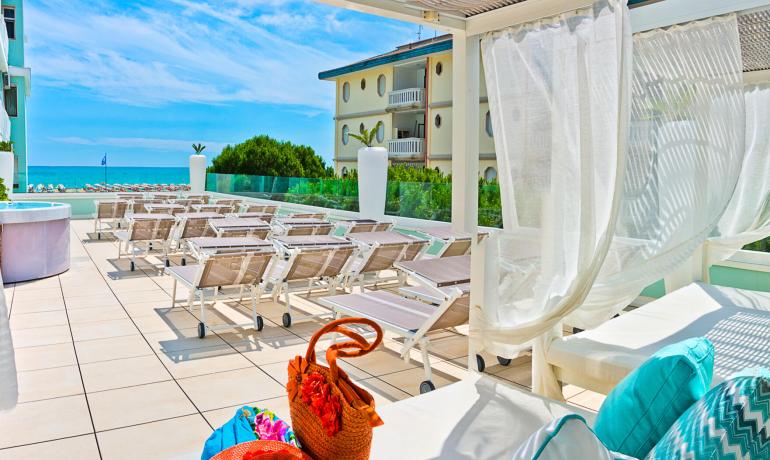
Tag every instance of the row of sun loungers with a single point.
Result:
(257, 252)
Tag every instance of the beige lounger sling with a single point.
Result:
(112, 213)
(146, 229)
(236, 269)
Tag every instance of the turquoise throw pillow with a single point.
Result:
(644, 405)
(730, 422)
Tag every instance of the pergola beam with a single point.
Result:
(397, 10)
(519, 13)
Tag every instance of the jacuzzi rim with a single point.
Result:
(29, 215)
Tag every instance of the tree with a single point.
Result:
(265, 156)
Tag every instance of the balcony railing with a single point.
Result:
(410, 148)
(3, 50)
(403, 98)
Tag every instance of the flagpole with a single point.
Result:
(105, 169)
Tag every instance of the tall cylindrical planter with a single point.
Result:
(197, 173)
(6, 169)
(372, 181)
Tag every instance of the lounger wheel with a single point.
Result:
(168, 263)
(286, 320)
(260, 323)
(133, 267)
(504, 361)
(201, 330)
(98, 236)
(184, 261)
(480, 364)
(427, 386)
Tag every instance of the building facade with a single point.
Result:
(16, 88)
(409, 90)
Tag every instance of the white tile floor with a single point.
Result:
(108, 370)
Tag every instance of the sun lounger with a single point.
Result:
(186, 202)
(165, 196)
(408, 318)
(380, 250)
(737, 322)
(255, 207)
(308, 260)
(307, 215)
(201, 197)
(237, 269)
(293, 226)
(478, 418)
(253, 215)
(230, 226)
(164, 208)
(454, 243)
(193, 225)
(234, 205)
(137, 204)
(217, 208)
(145, 229)
(110, 212)
(206, 245)
(363, 226)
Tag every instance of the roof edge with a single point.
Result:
(386, 59)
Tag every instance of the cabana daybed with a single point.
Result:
(737, 321)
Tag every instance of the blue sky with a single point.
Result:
(143, 80)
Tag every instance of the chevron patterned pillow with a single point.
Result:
(730, 422)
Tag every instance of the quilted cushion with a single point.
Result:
(730, 422)
(644, 405)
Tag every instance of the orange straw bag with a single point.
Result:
(332, 417)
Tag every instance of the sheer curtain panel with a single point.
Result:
(686, 148)
(558, 92)
(747, 218)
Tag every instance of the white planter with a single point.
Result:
(372, 181)
(197, 173)
(6, 169)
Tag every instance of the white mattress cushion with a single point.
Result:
(478, 418)
(737, 322)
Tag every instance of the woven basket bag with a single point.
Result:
(357, 417)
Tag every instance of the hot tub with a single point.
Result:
(34, 240)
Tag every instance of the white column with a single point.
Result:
(197, 173)
(465, 131)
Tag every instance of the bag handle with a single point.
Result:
(359, 346)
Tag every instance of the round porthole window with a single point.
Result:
(488, 124)
(344, 171)
(363, 84)
(490, 173)
(439, 68)
(381, 85)
(437, 120)
(381, 132)
(345, 137)
(346, 91)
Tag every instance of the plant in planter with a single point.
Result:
(365, 136)
(6, 168)
(199, 148)
(3, 191)
(372, 174)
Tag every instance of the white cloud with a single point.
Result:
(262, 51)
(143, 143)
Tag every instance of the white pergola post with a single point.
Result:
(466, 60)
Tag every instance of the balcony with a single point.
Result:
(410, 148)
(410, 98)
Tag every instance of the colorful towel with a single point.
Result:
(248, 424)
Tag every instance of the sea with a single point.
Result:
(79, 176)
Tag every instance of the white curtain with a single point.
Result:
(558, 93)
(747, 218)
(8, 386)
(686, 147)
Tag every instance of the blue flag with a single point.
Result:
(104, 160)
